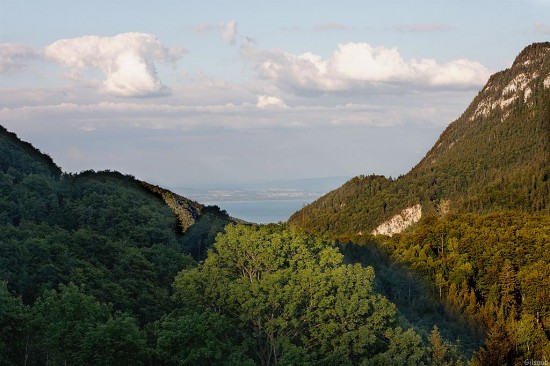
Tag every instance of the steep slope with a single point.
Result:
(23, 157)
(186, 210)
(495, 156)
(105, 230)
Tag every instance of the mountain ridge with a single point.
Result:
(494, 156)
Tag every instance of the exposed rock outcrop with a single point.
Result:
(399, 222)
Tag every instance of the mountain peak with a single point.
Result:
(529, 74)
(496, 156)
(536, 52)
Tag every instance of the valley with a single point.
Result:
(445, 265)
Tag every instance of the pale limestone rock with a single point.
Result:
(399, 222)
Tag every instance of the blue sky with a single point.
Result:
(193, 92)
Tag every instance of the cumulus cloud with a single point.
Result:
(354, 66)
(229, 31)
(13, 56)
(127, 61)
(265, 101)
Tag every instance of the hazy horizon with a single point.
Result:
(195, 93)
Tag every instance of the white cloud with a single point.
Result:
(356, 66)
(127, 61)
(229, 31)
(265, 101)
(268, 112)
(13, 56)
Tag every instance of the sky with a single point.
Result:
(197, 93)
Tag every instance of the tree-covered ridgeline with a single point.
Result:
(494, 157)
(102, 234)
(484, 188)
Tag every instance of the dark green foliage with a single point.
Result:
(201, 235)
(13, 328)
(188, 338)
(63, 321)
(413, 296)
(69, 327)
(70, 244)
(23, 158)
(104, 230)
(119, 341)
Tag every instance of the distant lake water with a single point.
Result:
(261, 212)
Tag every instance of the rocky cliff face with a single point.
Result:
(186, 210)
(508, 92)
(529, 72)
(399, 222)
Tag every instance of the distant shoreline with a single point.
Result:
(261, 211)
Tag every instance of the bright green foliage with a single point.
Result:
(293, 293)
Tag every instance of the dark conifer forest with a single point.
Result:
(100, 268)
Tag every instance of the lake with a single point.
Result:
(261, 212)
(261, 202)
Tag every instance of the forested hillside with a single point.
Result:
(99, 268)
(472, 219)
(111, 242)
(494, 157)
(489, 271)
